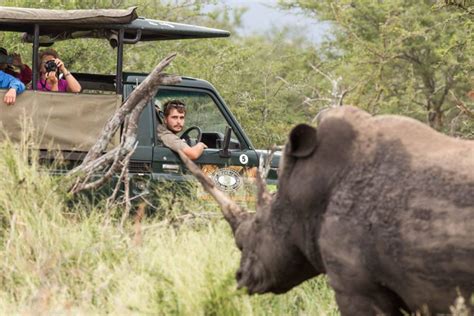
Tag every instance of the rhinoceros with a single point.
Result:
(383, 205)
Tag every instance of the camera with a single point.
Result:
(50, 65)
(4, 59)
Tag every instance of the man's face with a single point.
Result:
(175, 121)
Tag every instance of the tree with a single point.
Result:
(407, 55)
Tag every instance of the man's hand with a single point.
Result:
(204, 146)
(195, 152)
(10, 97)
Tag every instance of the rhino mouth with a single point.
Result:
(255, 286)
(257, 280)
(252, 285)
(251, 276)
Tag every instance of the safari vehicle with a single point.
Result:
(72, 122)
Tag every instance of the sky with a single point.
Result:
(262, 15)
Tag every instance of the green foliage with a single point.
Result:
(399, 56)
(393, 57)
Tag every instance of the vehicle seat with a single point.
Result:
(160, 116)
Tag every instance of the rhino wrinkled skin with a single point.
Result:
(383, 205)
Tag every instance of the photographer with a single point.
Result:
(14, 61)
(49, 67)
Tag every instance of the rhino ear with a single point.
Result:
(302, 141)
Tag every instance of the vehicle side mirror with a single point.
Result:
(224, 152)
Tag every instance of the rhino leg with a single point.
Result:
(380, 302)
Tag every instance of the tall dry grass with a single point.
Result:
(61, 256)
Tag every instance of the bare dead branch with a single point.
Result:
(138, 237)
(263, 196)
(265, 164)
(128, 204)
(460, 4)
(118, 158)
(462, 107)
(232, 212)
(337, 92)
(140, 95)
(85, 185)
(113, 196)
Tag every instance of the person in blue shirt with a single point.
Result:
(13, 85)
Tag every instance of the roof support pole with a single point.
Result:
(35, 56)
(118, 75)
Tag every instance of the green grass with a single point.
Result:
(63, 257)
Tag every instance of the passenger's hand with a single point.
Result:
(60, 65)
(51, 77)
(53, 80)
(10, 97)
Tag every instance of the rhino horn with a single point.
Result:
(232, 212)
(263, 196)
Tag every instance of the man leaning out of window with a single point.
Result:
(13, 86)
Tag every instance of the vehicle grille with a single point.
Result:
(139, 167)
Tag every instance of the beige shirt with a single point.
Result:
(170, 139)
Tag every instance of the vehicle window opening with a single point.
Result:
(201, 111)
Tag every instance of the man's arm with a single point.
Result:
(13, 85)
(9, 82)
(194, 152)
(174, 143)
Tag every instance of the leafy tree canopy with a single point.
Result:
(398, 56)
(410, 57)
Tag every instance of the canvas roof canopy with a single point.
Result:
(101, 23)
(14, 15)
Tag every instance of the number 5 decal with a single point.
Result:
(244, 159)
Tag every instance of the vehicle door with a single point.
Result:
(232, 171)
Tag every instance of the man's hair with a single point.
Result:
(174, 104)
(46, 52)
(4, 54)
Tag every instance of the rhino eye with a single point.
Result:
(239, 245)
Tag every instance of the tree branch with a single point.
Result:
(128, 114)
(462, 107)
(139, 96)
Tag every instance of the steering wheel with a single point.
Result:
(188, 139)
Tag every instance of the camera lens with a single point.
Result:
(50, 65)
